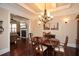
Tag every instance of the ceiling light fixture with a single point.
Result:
(45, 17)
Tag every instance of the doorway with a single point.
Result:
(18, 29)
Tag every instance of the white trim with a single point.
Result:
(62, 7)
(26, 7)
(2, 51)
(72, 45)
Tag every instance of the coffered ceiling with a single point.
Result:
(39, 7)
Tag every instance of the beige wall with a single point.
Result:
(5, 36)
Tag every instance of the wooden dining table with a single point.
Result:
(50, 44)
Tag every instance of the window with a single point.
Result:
(13, 27)
(22, 25)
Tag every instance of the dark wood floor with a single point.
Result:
(24, 48)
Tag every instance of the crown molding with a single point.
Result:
(26, 7)
(61, 7)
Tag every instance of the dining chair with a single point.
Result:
(39, 47)
(54, 43)
(62, 46)
(34, 40)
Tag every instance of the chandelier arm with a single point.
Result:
(45, 18)
(43, 21)
(39, 19)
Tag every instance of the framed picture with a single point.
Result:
(48, 26)
(55, 26)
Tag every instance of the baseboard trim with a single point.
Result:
(72, 45)
(2, 51)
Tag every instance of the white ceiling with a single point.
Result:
(36, 8)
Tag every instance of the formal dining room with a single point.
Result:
(39, 29)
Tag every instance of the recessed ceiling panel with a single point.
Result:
(39, 7)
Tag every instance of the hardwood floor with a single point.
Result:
(24, 48)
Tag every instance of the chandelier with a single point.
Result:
(45, 17)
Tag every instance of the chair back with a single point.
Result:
(66, 42)
(38, 46)
(38, 39)
(54, 42)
